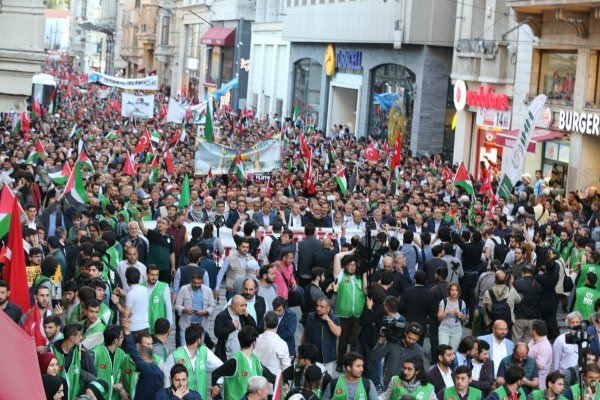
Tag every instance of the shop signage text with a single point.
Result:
(348, 59)
(493, 118)
(572, 121)
(485, 97)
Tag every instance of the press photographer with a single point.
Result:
(397, 340)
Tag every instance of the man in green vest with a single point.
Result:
(99, 286)
(241, 367)
(109, 360)
(351, 385)
(74, 362)
(586, 296)
(563, 245)
(93, 327)
(555, 385)
(159, 304)
(511, 389)
(461, 388)
(197, 358)
(413, 382)
(588, 391)
(350, 302)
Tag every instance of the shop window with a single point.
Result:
(307, 89)
(554, 75)
(391, 101)
(555, 164)
(592, 96)
(164, 35)
(227, 70)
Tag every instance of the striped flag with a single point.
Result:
(36, 153)
(155, 138)
(153, 178)
(61, 177)
(340, 177)
(239, 168)
(73, 131)
(76, 187)
(111, 135)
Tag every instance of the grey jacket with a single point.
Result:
(185, 300)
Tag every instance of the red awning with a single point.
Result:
(141, 70)
(152, 72)
(219, 37)
(507, 138)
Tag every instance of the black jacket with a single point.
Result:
(416, 304)
(435, 378)
(486, 377)
(306, 249)
(324, 258)
(531, 293)
(471, 255)
(224, 326)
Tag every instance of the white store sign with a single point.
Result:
(493, 118)
(572, 121)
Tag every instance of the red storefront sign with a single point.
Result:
(485, 97)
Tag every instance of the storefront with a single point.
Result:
(369, 89)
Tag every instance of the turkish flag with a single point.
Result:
(304, 149)
(371, 153)
(128, 167)
(486, 181)
(143, 143)
(447, 173)
(14, 270)
(34, 327)
(396, 156)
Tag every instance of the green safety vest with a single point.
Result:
(156, 304)
(109, 369)
(129, 377)
(196, 376)
(106, 314)
(575, 258)
(75, 316)
(585, 268)
(72, 376)
(235, 386)
(584, 301)
(451, 394)
(340, 392)
(541, 395)
(563, 251)
(350, 298)
(98, 328)
(576, 391)
(503, 394)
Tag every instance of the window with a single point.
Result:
(84, 9)
(307, 89)
(556, 75)
(166, 26)
(138, 3)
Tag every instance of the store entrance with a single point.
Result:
(344, 102)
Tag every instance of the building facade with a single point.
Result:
(371, 65)
(565, 66)
(22, 54)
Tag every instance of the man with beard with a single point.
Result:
(10, 308)
(482, 376)
(462, 386)
(410, 383)
(236, 265)
(563, 245)
(500, 347)
(256, 304)
(227, 325)
(159, 294)
(267, 290)
(195, 303)
(440, 374)
(161, 247)
(351, 385)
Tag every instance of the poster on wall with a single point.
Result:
(137, 106)
(262, 157)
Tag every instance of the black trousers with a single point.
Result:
(350, 332)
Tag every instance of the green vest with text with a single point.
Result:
(73, 375)
(109, 369)
(156, 303)
(196, 376)
(340, 392)
(576, 391)
(585, 268)
(451, 394)
(584, 301)
(541, 395)
(503, 394)
(350, 297)
(235, 386)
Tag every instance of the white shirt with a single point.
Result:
(212, 362)
(476, 371)
(273, 352)
(564, 355)
(448, 381)
(137, 301)
(122, 267)
(499, 352)
(295, 221)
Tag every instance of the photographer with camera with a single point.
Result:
(565, 348)
(397, 340)
(588, 389)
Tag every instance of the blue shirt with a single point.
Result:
(197, 304)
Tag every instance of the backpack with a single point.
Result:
(500, 309)
(461, 304)
(366, 384)
(274, 249)
(33, 288)
(208, 247)
(500, 249)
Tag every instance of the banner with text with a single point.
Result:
(137, 106)
(262, 157)
(513, 169)
(149, 83)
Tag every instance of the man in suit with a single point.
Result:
(227, 325)
(498, 339)
(288, 321)
(267, 216)
(416, 302)
(436, 222)
(306, 249)
(234, 215)
(483, 368)
(256, 305)
(440, 374)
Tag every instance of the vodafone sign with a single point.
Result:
(460, 95)
(485, 97)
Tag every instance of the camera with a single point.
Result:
(578, 334)
(392, 329)
(454, 265)
(219, 221)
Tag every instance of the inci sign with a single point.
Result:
(348, 59)
(485, 97)
(573, 121)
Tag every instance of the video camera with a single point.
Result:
(392, 329)
(578, 334)
(219, 221)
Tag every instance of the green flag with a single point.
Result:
(208, 125)
(184, 196)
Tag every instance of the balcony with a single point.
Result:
(577, 14)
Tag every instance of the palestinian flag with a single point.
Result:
(85, 160)
(6, 201)
(36, 153)
(155, 138)
(210, 180)
(183, 134)
(289, 164)
(463, 180)
(76, 187)
(296, 114)
(397, 181)
(301, 165)
(208, 125)
(111, 135)
(331, 156)
(153, 178)
(73, 131)
(290, 186)
(340, 177)
(184, 195)
(61, 177)
(239, 168)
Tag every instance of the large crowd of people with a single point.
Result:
(402, 286)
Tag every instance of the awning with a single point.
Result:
(141, 70)
(152, 72)
(507, 138)
(219, 37)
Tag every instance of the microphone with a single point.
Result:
(593, 386)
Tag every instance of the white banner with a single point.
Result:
(175, 112)
(149, 83)
(513, 169)
(137, 106)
